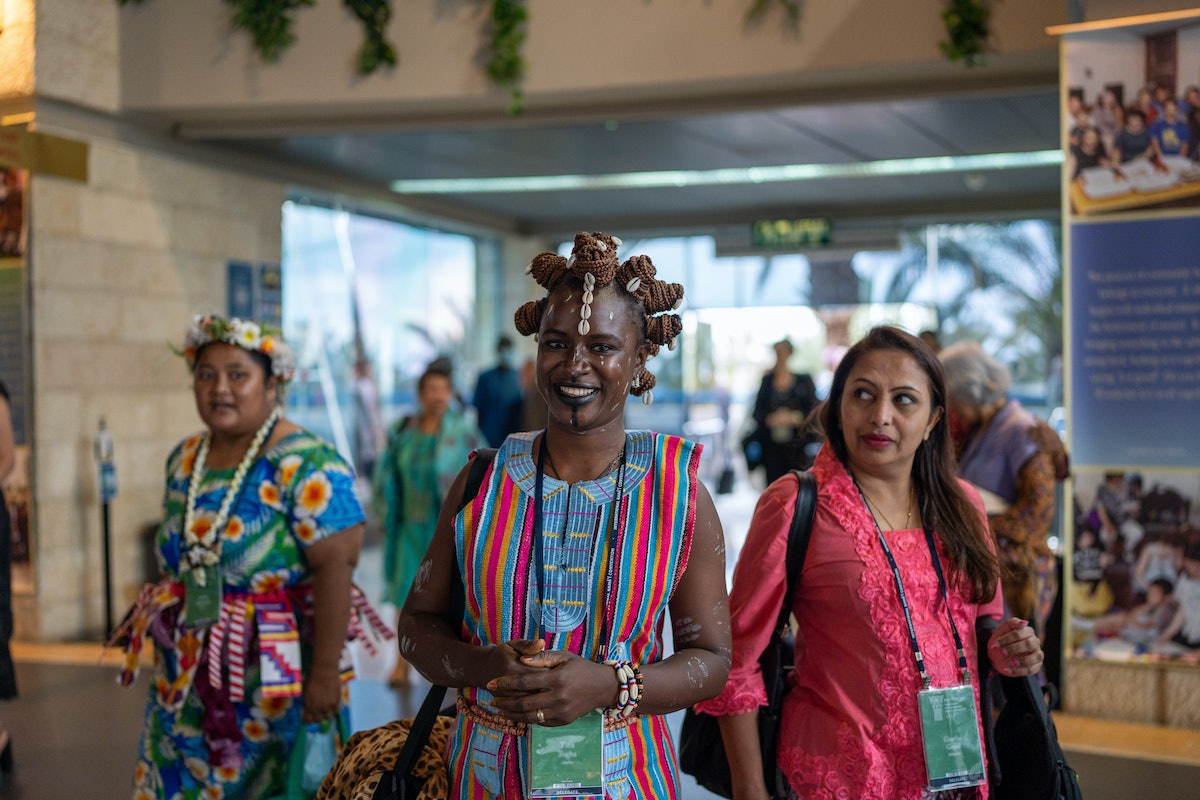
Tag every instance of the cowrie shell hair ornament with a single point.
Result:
(584, 327)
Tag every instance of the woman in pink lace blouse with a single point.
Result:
(871, 608)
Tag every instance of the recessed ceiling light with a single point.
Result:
(973, 165)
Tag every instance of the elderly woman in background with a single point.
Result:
(999, 453)
(580, 539)
(260, 537)
(425, 452)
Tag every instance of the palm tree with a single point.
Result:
(1000, 284)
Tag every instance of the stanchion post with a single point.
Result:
(102, 447)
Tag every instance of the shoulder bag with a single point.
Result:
(1026, 762)
(701, 751)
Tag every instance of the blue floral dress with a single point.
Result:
(224, 705)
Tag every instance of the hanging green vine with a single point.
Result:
(792, 7)
(507, 65)
(270, 22)
(966, 24)
(376, 49)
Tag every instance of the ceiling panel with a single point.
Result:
(831, 134)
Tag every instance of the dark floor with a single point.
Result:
(75, 731)
(75, 735)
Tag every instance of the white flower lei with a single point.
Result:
(205, 551)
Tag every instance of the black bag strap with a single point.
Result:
(394, 786)
(983, 634)
(798, 536)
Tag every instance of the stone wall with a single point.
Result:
(117, 265)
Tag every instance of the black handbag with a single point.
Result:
(752, 450)
(1030, 760)
(1026, 762)
(701, 750)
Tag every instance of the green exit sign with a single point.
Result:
(782, 234)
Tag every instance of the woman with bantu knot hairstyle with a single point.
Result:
(580, 539)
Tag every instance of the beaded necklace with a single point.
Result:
(205, 550)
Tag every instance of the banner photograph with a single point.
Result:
(1132, 224)
(1132, 119)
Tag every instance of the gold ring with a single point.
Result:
(541, 716)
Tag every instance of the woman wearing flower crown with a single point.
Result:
(579, 540)
(260, 537)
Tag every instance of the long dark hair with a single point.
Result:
(945, 507)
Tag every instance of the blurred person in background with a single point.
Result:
(8, 674)
(369, 434)
(425, 451)
(781, 406)
(999, 454)
(497, 397)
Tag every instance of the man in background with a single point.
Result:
(498, 398)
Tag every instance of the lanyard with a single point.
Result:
(539, 558)
(912, 630)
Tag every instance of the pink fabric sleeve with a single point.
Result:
(759, 583)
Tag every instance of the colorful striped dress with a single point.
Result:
(626, 561)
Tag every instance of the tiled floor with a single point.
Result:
(75, 730)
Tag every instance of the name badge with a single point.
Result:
(568, 760)
(950, 733)
(202, 592)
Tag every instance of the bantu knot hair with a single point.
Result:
(594, 263)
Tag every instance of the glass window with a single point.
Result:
(356, 286)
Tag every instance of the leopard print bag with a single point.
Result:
(371, 755)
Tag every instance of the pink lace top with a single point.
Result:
(850, 725)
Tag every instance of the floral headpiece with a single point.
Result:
(246, 334)
(595, 264)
